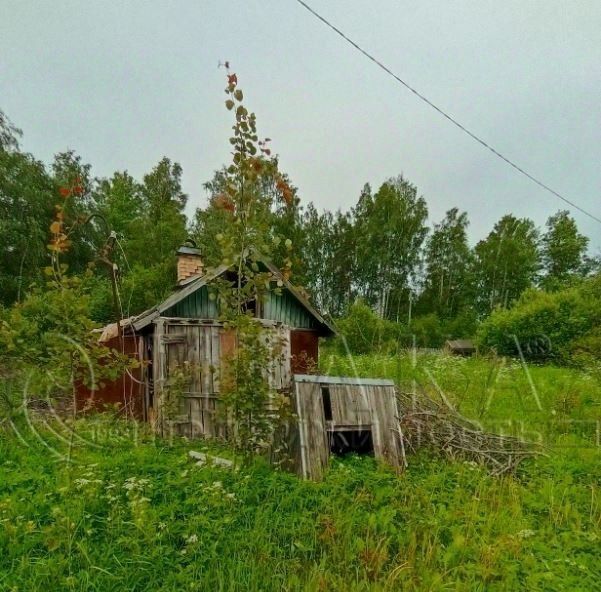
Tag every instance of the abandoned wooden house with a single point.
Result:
(333, 415)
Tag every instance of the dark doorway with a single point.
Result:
(351, 441)
(304, 351)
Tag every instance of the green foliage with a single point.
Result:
(141, 287)
(73, 182)
(563, 250)
(364, 331)
(586, 349)
(448, 284)
(328, 249)
(47, 347)
(390, 228)
(507, 262)
(427, 331)
(9, 134)
(463, 325)
(121, 201)
(376, 251)
(147, 218)
(546, 326)
(180, 380)
(27, 197)
(279, 211)
(162, 229)
(249, 191)
(253, 410)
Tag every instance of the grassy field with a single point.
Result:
(134, 513)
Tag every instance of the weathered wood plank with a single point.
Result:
(313, 440)
(159, 370)
(215, 356)
(343, 380)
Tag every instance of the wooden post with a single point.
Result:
(159, 365)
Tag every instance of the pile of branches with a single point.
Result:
(424, 422)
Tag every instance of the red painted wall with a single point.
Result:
(123, 394)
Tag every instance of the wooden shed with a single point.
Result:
(460, 347)
(185, 329)
(338, 415)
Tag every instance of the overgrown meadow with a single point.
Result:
(131, 512)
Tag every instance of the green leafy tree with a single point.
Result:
(390, 228)
(120, 200)
(365, 332)
(161, 229)
(149, 223)
(282, 213)
(9, 134)
(252, 407)
(507, 262)
(47, 346)
(49, 334)
(448, 260)
(563, 251)
(329, 252)
(328, 258)
(74, 183)
(548, 325)
(26, 198)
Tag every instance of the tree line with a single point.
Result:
(381, 251)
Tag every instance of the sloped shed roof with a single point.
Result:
(461, 345)
(197, 282)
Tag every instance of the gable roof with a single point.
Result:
(196, 282)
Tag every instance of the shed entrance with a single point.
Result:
(344, 442)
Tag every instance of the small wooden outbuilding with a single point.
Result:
(338, 415)
(460, 347)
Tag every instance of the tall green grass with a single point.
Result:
(131, 512)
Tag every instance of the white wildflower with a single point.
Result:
(526, 533)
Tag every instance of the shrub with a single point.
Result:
(364, 331)
(427, 331)
(463, 326)
(545, 326)
(47, 346)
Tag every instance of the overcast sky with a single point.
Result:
(124, 83)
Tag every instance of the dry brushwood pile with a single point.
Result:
(424, 422)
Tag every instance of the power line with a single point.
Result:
(444, 114)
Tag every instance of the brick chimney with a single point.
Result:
(189, 262)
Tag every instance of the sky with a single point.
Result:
(126, 83)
